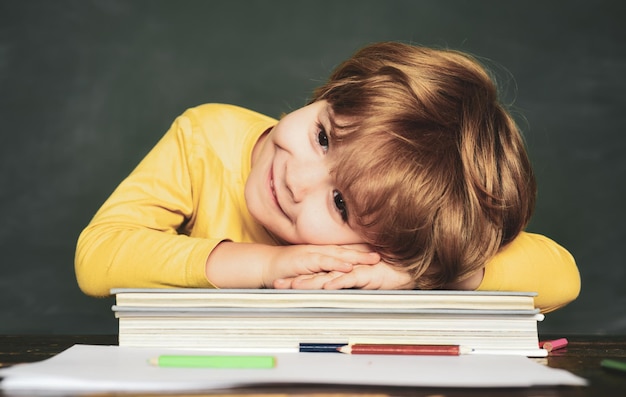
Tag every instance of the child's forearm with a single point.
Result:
(238, 265)
(111, 255)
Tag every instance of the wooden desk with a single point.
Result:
(582, 357)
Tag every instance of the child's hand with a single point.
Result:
(292, 262)
(378, 276)
(250, 265)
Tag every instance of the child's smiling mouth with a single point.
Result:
(273, 193)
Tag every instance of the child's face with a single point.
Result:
(290, 190)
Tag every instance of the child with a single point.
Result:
(404, 171)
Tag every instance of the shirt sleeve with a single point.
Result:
(133, 240)
(532, 262)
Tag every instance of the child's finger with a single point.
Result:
(324, 263)
(283, 283)
(314, 281)
(343, 281)
(364, 258)
(349, 255)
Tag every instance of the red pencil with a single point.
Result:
(421, 350)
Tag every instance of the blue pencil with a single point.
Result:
(320, 347)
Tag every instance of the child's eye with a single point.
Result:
(340, 205)
(322, 138)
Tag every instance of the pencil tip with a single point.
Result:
(465, 350)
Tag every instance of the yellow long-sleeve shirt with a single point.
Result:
(159, 226)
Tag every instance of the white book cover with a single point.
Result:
(272, 298)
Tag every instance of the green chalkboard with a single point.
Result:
(87, 87)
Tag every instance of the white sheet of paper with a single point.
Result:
(87, 368)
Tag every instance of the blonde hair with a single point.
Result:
(432, 165)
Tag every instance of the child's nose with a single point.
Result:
(302, 178)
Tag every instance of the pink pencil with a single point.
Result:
(555, 344)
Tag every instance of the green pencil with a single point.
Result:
(613, 364)
(193, 361)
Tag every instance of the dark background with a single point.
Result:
(87, 87)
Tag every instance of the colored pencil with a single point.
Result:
(614, 365)
(320, 347)
(196, 361)
(555, 344)
(422, 350)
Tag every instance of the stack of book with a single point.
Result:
(488, 322)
